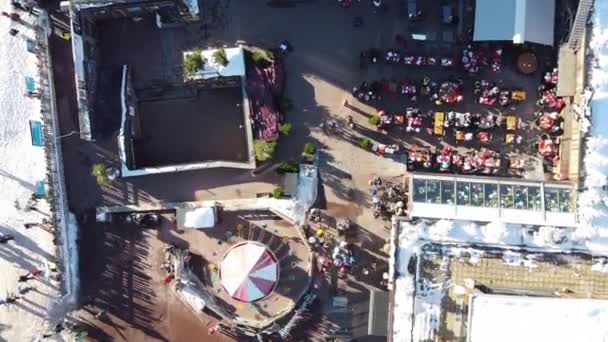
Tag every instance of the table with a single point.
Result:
(438, 125)
(519, 95)
(510, 138)
(511, 123)
(527, 63)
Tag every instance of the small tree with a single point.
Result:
(193, 62)
(277, 192)
(374, 120)
(264, 149)
(309, 149)
(285, 128)
(219, 57)
(100, 172)
(364, 143)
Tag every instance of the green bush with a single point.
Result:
(364, 143)
(219, 57)
(288, 167)
(277, 193)
(100, 172)
(193, 62)
(264, 149)
(285, 128)
(285, 104)
(309, 149)
(374, 120)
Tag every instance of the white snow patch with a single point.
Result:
(600, 265)
(23, 165)
(525, 319)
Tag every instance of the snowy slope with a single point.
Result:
(21, 166)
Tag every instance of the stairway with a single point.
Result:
(580, 23)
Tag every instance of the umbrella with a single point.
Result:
(249, 271)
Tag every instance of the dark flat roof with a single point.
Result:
(207, 127)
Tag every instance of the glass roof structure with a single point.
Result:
(492, 199)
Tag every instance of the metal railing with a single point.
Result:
(577, 32)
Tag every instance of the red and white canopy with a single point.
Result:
(249, 271)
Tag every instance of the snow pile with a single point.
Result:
(517, 318)
(593, 201)
(600, 265)
(404, 288)
(23, 165)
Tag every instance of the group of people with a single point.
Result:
(449, 92)
(489, 94)
(549, 119)
(473, 59)
(483, 161)
(395, 57)
(387, 198)
(22, 288)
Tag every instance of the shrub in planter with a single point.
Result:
(219, 57)
(309, 149)
(374, 120)
(288, 167)
(277, 193)
(193, 62)
(264, 149)
(364, 143)
(258, 57)
(270, 54)
(285, 128)
(100, 172)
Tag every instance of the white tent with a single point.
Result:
(203, 217)
(515, 20)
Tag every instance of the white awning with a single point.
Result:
(196, 218)
(515, 20)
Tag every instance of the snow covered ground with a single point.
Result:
(22, 166)
(518, 318)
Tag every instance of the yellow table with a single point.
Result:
(519, 95)
(511, 123)
(439, 120)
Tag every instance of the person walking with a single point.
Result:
(6, 238)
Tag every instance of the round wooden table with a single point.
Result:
(527, 63)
